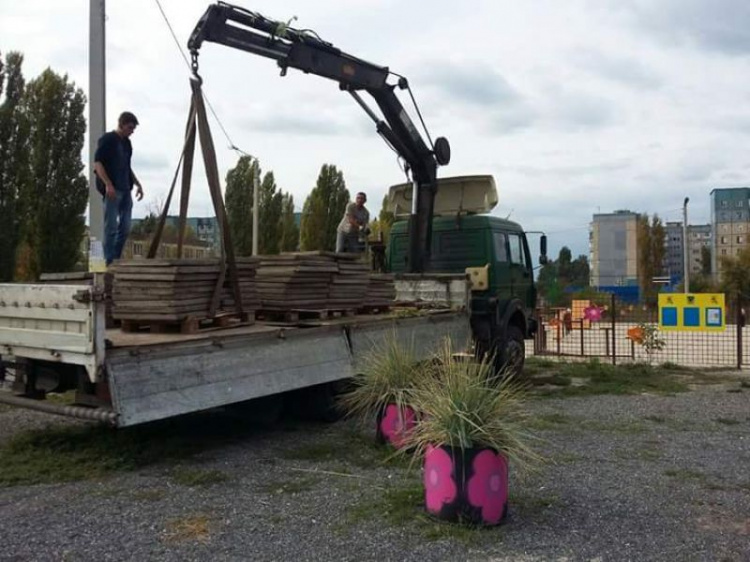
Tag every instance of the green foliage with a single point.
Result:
(464, 405)
(14, 159)
(323, 210)
(239, 204)
(557, 275)
(53, 200)
(650, 339)
(288, 225)
(735, 273)
(269, 216)
(651, 238)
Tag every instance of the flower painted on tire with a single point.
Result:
(439, 486)
(397, 423)
(488, 487)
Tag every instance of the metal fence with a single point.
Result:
(614, 331)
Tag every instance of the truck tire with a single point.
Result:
(512, 352)
(508, 353)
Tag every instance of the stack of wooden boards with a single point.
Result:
(313, 281)
(381, 292)
(296, 281)
(164, 291)
(176, 290)
(246, 271)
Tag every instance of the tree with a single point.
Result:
(14, 159)
(650, 246)
(386, 218)
(269, 216)
(323, 210)
(735, 274)
(288, 225)
(53, 200)
(239, 204)
(558, 277)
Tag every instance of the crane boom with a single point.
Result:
(303, 50)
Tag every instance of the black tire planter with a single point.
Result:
(466, 485)
(394, 425)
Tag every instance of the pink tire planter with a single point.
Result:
(394, 425)
(466, 485)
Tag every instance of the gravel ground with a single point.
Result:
(629, 478)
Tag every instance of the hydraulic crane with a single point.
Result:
(304, 50)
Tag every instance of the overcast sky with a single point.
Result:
(575, 107)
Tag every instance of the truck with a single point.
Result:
(471, 271)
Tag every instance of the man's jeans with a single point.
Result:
(117, 214)
(348, 242)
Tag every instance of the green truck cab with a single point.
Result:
(492, 251)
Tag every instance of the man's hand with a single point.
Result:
(139, 192)
(110, 192)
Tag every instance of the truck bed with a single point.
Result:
(156, 376)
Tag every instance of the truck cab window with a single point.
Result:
(501, 248)
(517, 254)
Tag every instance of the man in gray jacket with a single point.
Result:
(353, 226)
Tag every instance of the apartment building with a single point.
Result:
(613, 249)
(730, 223)
(699, 237)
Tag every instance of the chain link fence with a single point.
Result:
(614, 331)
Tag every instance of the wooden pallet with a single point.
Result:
(374, 309)
(296, 315)
(188, 325)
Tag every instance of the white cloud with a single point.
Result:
(575, 107)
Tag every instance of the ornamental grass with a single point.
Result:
(463, 404)
(389, 373)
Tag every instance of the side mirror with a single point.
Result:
(543, 250)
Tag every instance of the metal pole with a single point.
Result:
(97, 109)
(256, 189)
(685, 256)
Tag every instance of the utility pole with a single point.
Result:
(97, 110)
(256, 199)
(685, 255)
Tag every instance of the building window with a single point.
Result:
(740, 240)
(724, 252)
(740, 203)
(723, 239)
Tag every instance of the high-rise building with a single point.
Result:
(673, 252)
(613, 248)
(730, 223)
(699, 237)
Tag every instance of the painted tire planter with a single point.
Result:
(394, 424)
(466, 485)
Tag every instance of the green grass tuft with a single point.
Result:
(83, 452)
(197, 477)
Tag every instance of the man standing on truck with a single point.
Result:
(352, 230)
(115, 180)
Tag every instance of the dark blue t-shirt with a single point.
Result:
(115, 152)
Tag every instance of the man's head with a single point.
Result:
(361, 199)
(126, 123)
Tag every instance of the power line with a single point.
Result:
(232, 146)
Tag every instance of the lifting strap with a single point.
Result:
(198, 122)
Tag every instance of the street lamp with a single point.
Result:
(685, 260)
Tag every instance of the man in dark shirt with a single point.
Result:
(115, 180)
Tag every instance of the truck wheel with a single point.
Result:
(512, 354)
